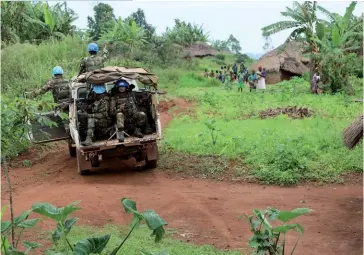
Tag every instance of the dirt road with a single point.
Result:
(204, 212)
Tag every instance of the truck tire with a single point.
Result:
(82, 165)
(151, 164)
(71, 150)
(85, 172)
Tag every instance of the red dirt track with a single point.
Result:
(204, 212)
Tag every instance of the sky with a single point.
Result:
(243, 19)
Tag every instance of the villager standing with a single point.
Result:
(261, 78)
(241, 80)
(314, 82)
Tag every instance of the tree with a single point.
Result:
(302, 18)
(103, 20)
(338, 44)
(29, 22)
(233, 44)
(220, 45)
(127, 33)
(186, 33)
(140, 20)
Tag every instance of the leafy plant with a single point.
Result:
(19, 224)
(211, 125)
(126, 32)
(186, 33)
(336, 58)
(35, 22)
(61, 215)
(267, 239)
(220, 56)
(15, 114)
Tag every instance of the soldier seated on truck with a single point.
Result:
(97, 112)
(124, 110)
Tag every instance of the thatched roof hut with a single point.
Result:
(199, 50)
(283, 62)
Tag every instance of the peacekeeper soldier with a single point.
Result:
(97, 112)
(94, 61)
(123, 107)
(60, 91)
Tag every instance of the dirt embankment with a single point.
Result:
(204, 212)
(168, 108)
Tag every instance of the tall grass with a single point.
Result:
(29, 66)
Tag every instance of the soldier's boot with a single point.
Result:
(120, 127)
(138, 133)
(120, 136)
(90, 131)
(88, 140)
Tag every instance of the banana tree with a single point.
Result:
(125, 32)
(337, 43)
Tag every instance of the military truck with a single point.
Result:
(107, 151)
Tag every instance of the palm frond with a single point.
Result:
(279, 26)
(327, 13)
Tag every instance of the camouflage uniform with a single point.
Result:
(61, 95)
(123, 107)
(99, 116)
(93, 62)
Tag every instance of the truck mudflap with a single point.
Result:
(152, 151)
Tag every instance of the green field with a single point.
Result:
(277, 150)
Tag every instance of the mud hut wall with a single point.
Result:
(276, 77)
(285, 75)
(273, 77)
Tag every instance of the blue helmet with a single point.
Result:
(99, 89)
(93, 47)
(57, 70)
(122, 83)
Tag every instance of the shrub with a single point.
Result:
(220, 56)
(267, 239)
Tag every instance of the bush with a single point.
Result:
(219, 62)
(220, 57)
(306, 76)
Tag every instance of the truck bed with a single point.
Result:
(128, 141)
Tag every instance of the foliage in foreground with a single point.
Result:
(61, 216)
(267, 239)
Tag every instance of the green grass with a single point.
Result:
(140, 240)
(278, 150)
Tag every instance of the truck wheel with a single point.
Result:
(85, 172)
(71, 150)
(150, 164)
(83, 166)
